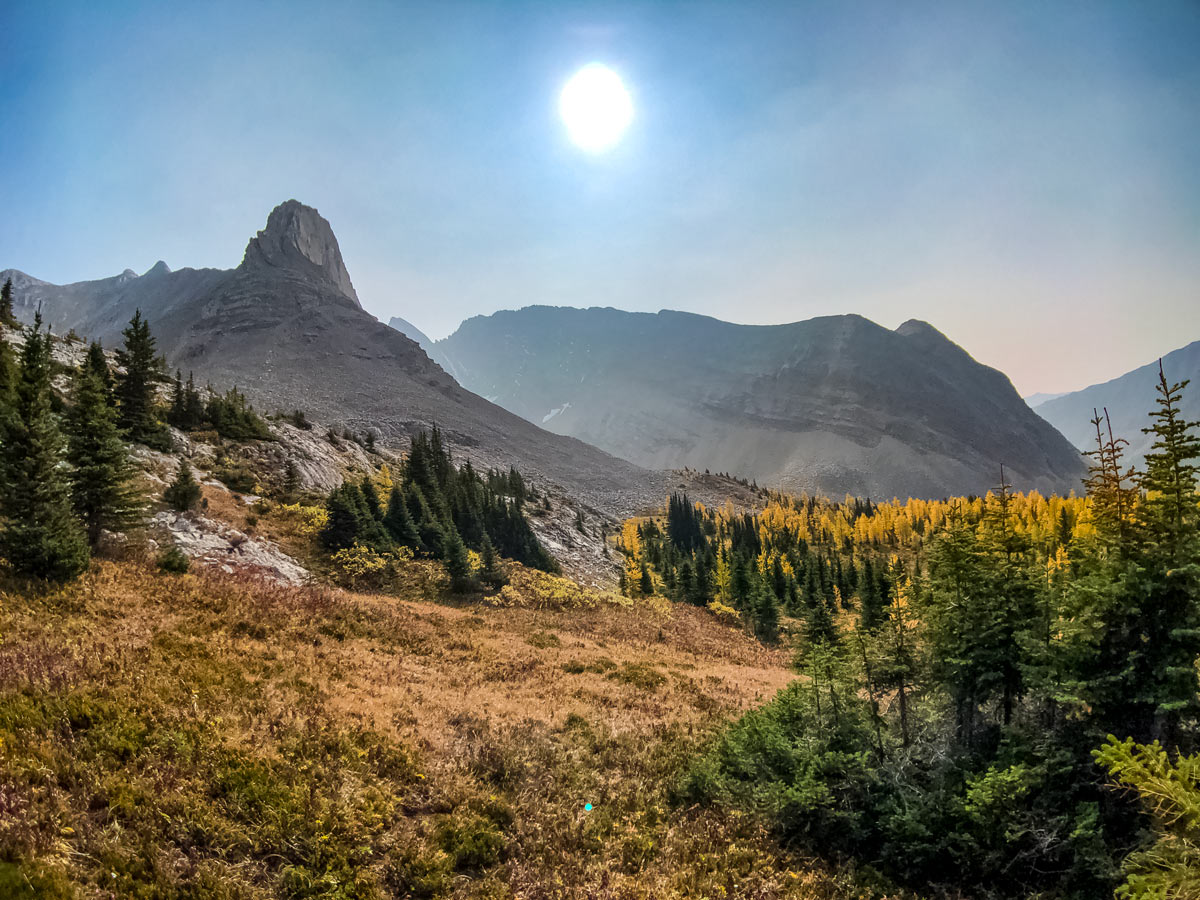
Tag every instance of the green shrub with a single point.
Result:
(237, 477)
(421, 876)
(473, 842)
(182, 493)
(174, 561)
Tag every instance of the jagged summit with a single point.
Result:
(159, 268)
(287, 328)
(298, 237)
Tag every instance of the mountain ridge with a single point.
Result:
(1128, 398)
(288, 329)
(813, 405)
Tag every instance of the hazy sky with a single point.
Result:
(1026, 177)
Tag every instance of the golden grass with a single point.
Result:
(515, 713)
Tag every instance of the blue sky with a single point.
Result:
(1026, 177)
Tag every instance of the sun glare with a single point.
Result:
(596, 108)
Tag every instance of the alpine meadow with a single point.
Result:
(757, 456)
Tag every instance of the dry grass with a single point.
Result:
(415, 748)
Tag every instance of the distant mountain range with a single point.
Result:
(832, 405)
(1129, 399)
(414, 333)
(287, 327)
(1035, 400)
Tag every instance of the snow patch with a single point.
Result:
(558, 410)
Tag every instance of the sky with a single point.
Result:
(1024, 176)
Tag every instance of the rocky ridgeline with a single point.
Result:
(287, 328)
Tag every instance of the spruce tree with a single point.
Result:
(135, 387)
(97, 363)
(645, 582)
(1146, 680)
(371, 497)
(193, 404)
(183, 493)
(8, 377)
(370, 527)
(1169, 514)
(343, 518)
(41, 536)
(490, 572)
(458, 564)
(6, 305)
(102, 489)
(177, 413)
(871, 608)
(291, 482)
(766, 614)
(398, 521)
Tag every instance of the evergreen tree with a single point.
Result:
(516, 485)
(1145, 678)
(398, 521)
(41, 536)
(177, 413)
(232, 416)
(342, 518)
(135, 386)
(1169, 513)
(8, 378)
(6, 305)
(458, 565)
(371, 498)
(1112, 499)
(291, 482)
(645, 582)
(490, 572)
(183, 493)
(370, 526)
(766, 614)
(193, 404)
(871, 606)
(97, 364)
(101, 476)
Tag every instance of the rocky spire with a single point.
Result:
(298, 237)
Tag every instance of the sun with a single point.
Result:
(596, 108)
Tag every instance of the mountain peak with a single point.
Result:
(159, 268)
(917, 327)
(298, 237)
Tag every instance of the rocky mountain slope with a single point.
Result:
(833, 405)
(411, 331)
(287, 327)
(1128, 398)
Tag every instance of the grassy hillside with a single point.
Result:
(209, 735)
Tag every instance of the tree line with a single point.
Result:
(65, 474)
(964, 665)
(440, 510)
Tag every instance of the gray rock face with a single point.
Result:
(214, 544)
(412, 332)
(298, 238)
(1129, 399)
(286, 327)
(832, 405)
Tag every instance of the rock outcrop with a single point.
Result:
(214, 544)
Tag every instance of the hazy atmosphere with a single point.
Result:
(1012, 173)
(600, 451)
